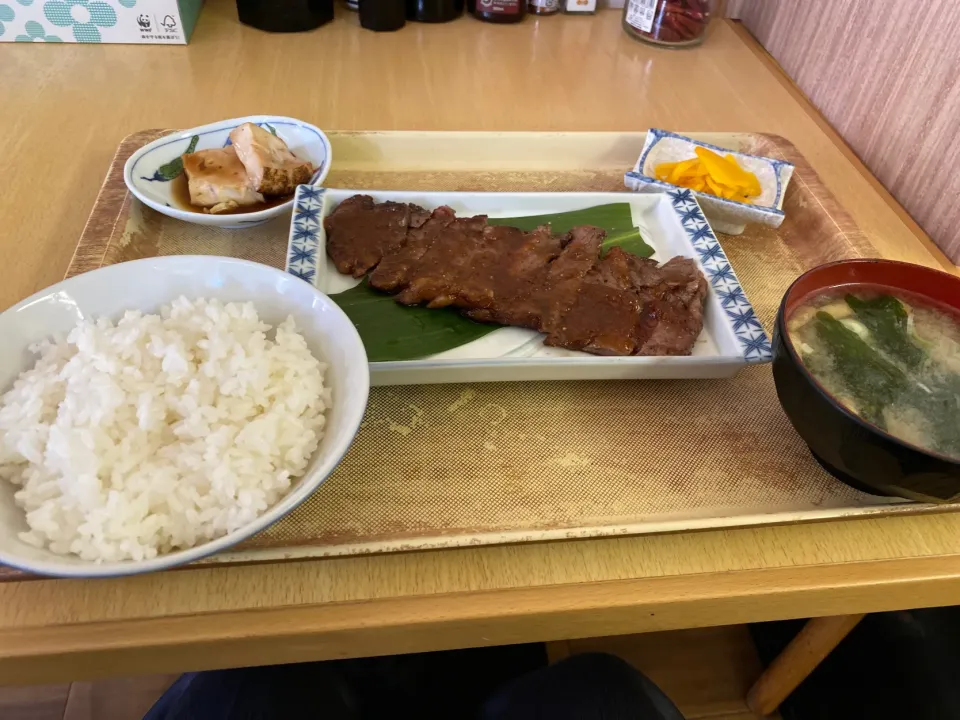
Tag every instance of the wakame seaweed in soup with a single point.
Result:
(890, 357)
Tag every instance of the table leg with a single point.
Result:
(807, 650)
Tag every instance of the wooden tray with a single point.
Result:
(454, 465)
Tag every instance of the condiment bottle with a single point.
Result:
(383, 15)
(498, 11)
(434, 11)
(543, 7)
(675, 23)
(285, 15)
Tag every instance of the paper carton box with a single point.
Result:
(98, 21)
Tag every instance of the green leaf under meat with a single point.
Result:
(886, 319)
(615, 218)
(391, 331)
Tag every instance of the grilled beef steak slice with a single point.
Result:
(565, 275)
(360, 232)
(679, 300)
(608, 316)
(445, 264)
(515, 276)
(393, 272)
(619, 304)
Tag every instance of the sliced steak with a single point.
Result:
(562, 284)
(607, 316)
(360, 232)
(393, 272)
(487, 269)
(619, 304)
(509, 284)
(678, 303)
(446, 264)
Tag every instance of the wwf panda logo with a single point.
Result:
(143, 21)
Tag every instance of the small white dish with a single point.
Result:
(726, 216)
(145, 285)
(732, 336)
(141, 175)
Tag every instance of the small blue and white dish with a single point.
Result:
(726, 216)
(149, 185)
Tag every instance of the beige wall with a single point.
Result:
(886, 74)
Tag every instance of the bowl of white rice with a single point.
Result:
(158, 411)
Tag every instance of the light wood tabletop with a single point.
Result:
(64, 110)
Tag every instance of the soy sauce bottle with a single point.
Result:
(434, 11)
(285, 15)
(383, 15)
(498, 11)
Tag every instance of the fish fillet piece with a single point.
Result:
(217, 180)
(271, 167)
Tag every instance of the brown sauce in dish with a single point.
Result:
(180, 193)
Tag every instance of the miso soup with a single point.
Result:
(890, 357)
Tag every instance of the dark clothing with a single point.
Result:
(582, 687)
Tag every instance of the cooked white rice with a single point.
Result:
(159, 432)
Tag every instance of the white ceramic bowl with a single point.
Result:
(145, 285)
(147, 185)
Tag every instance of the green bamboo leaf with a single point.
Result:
(629, 240)
(391, 331)
(615, 218)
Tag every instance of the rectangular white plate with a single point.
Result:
(672, 223)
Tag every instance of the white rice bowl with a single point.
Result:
(160, 432)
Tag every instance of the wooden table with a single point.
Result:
(64, 110)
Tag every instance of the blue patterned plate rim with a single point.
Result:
(747, 327)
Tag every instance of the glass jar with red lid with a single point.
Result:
(674, 23)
